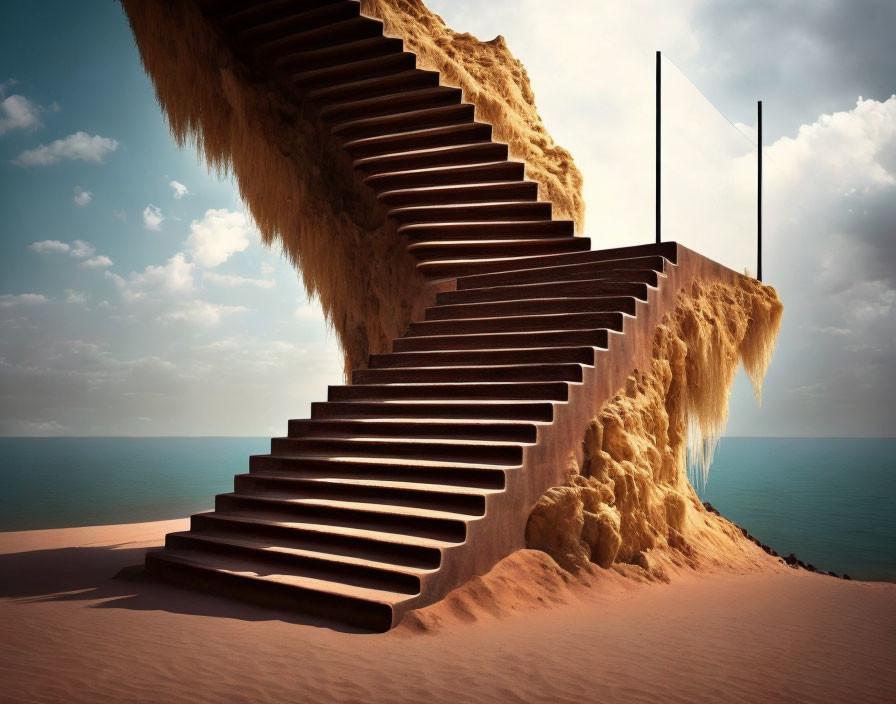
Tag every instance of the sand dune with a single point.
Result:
(526, 632)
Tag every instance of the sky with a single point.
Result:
(137, 299)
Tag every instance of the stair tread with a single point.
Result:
(265, 546)
(261, 571)
(337, 530)
(404, 116)
(429, 151)
(356, 506)
(386, 441)
(461, 127)
(380, 484)
(378, 103)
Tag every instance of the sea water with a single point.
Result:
(830, 501)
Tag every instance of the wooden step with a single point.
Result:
(369, 609)
(339, 55)
(404, 121)
(329, 35)
(417, 495)
(432, 428)
(491, 410)
(537, 391)
(366, 68)
(503, 340)
(533, 270)
(437, 156)
(535, 355)
(472, 451)
(391, 104)
(291, 20)
(512, 230)
(443, 136)
(377, 87)
(476, 212)
(610, 283)
(458, 374)
(429, 251)
(441, 525)
(520, 323)
(424, 471)
(460, 175)
(486, 192)
(532, 306)
(338, 540)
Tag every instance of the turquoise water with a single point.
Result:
(830, 501)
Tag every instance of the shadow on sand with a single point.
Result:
(113, 577)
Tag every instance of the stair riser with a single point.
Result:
(357, 612)
(594, 287)
(499, 171)
(572, 372)
(405, 122)
(530, 274)
(557, 355)
(562, 338)
(398, 83)
(430, 252)
(510, 455)
(471, 505)
(356, 575)
(503, 411)
(580, 321)
(337, 56)
(507, 432)
(520, 191)
(310, 468)
(439, 528)
(504, 211)
(393, 145)
(403, 554)
(539, 229)
(339, 75)
(533, 307)
(488, 152)
(553, 391)
(389, 105)
(328, 36)
(276, 28)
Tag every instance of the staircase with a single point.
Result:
(422, 472)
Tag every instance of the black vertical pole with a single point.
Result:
(658, 144)
(759, 195)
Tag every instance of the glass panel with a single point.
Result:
(708, 171)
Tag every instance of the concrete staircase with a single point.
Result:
(422, 472)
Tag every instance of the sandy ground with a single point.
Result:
(71, 633)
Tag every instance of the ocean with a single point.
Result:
(831, 501)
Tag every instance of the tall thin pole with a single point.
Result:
(659, 94)
(759, 194)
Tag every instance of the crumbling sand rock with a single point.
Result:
(631, 501)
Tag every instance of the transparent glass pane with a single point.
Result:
(708, 172)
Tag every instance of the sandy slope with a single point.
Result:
(70, 633)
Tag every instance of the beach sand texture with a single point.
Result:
(526, 632)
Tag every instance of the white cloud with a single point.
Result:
(152, 217)
(173, 277)
(82, 198)
(233, 280)
(97, 262)
(180, 190)
(47, 246)
(121, 215)
(82, 250)
(75, 297)
(18, 113)
(202, 313)
(220, 234)
(266, 269)
(78, 146)
(8, 300)
(308, 312)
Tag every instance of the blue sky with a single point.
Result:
(116, 322)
